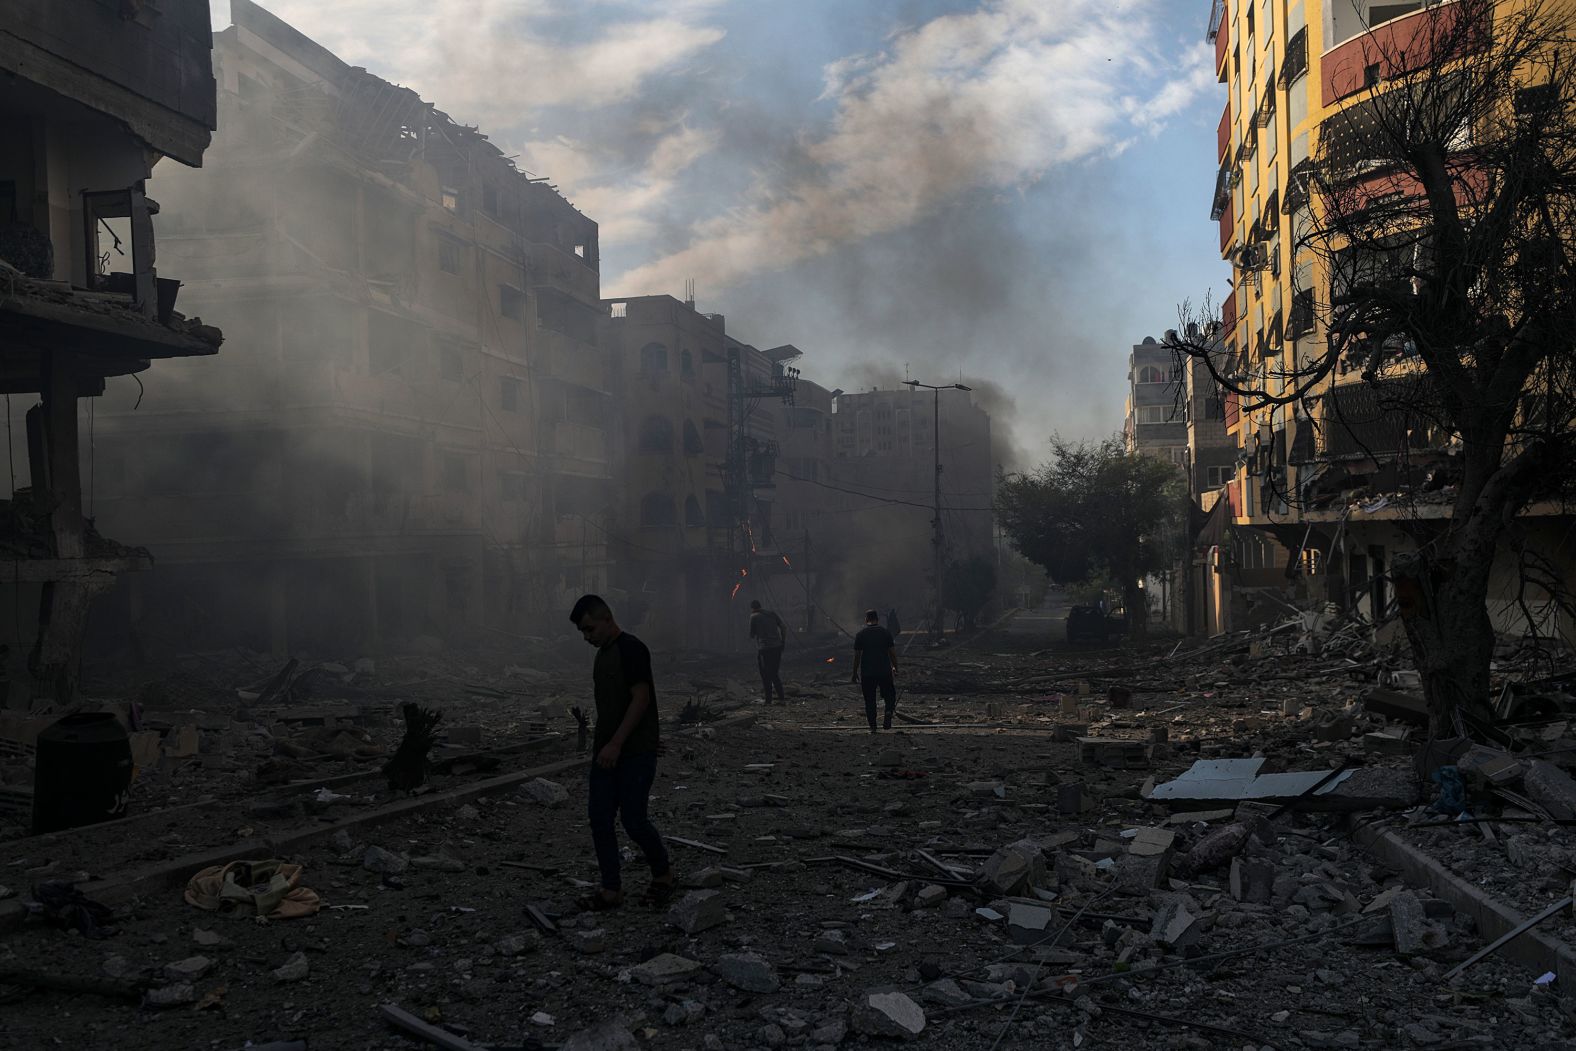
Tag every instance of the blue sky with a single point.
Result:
(1011, 190)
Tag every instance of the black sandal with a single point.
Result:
(597, 902)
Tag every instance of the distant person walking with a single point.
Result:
(875, 667)
(625, 747)
(770, 635)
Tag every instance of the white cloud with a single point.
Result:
(989, 99)
(491, 62)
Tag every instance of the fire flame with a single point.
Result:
(735, 592)
(831, 660)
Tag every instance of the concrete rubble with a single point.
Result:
(825, 900)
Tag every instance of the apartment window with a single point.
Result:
(490, 199)
(656, 509)
(686, 363)
(693, 446)
(653, 359)
(1214, 409)
(1215, 477)
(1147, 414)
(454, 474)
(618, 310)
(694, 517)
(580, 250)
(448, 255)
(511, 302)
(508, 394)
(451, 199)
(1151, 374)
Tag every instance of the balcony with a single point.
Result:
(1222, 199)
(1228, 226)
(1220, 32)
(1412, 39)
(1295, 63)
(1223, 135)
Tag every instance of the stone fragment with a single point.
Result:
(1252, 881)
(664, 970)
(189, 969)
(383, 862)
(1012, 869)
(707, 878)
(608, 1036)
(519, 944)
(171, 995)
(294, 969)
(209, 939)
(1551, 788)
(467, 813)
(831, 1033)
(545, 793)
(1029, 924)
(930, 895)
(1175, 924)
(771, 1034)
(945, 993)
(747, 971)
(987, 788)
(1408, 923)
(891, 1015)
(697, 911)
(592, 941)
(684, 1012)
(832, 942)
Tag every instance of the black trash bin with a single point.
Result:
(83, 772)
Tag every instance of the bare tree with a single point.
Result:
(1433, 231)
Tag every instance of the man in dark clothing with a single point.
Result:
(770, 634)
(875, 667)
(625, 746)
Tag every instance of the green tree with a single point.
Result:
(1095, 510)
(970, 584)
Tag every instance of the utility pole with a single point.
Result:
(938, 552)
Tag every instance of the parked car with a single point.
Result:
(1116, 622)
(1086, 624)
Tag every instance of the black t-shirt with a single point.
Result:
(620, 666)
(873, 644)
(766, 628)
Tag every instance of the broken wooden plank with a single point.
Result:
(403, 1020)
(695, 845)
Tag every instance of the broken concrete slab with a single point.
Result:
(1252, 881)
(608, 1036)
(1013, 868)
(747, 971)
(1029, 924)
(697, 911)
(1226, 780)
(1176, 924)
(1551, 788)
(890, 1015)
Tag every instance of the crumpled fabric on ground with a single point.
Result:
(66, 906)
(1452, 791)
(253, 888)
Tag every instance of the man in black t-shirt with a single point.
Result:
(625, 750)
(875, 667)
(770, 635)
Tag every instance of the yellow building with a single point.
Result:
(1313, 490)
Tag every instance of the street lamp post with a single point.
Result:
(938, 622)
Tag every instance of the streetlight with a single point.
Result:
(937, 624)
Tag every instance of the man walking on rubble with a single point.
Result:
(625, 750)
(875, 667)
(770, 635)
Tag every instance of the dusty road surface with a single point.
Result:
(968, 881)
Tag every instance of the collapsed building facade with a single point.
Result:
(93, 95)
(433, 422)
(414, 429)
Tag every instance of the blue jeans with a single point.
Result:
(624, 790)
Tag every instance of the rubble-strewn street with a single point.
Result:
(969, 875)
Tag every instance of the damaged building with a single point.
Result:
(91, 97)
(413, 431)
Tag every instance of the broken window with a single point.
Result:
(508, 394)
(693, 446)
(490, 199)
(686, 363)
(511, 302)
(656, 509)
(448, 255)
(653, 359)
(451, 199)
